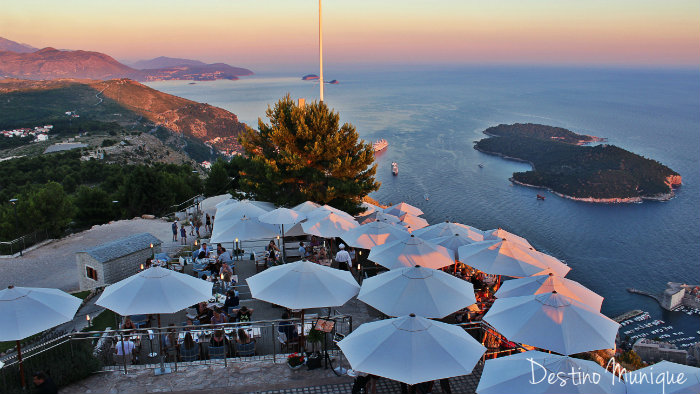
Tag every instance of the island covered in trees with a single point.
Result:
(563, 162)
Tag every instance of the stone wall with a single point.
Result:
(112, 271)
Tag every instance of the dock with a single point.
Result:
(645, 293)
(628, 315)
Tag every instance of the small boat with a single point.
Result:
(395, 168)
(379, 145)
(481, 165)
(427, 197)
(540, 197)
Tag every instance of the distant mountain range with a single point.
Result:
(22, 61)
(7, 45)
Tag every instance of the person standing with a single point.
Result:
(302, 250)
(207, 223)
(343, 258)
(183, 235)
(175, 231)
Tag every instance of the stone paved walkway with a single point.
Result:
(260, 377)
(53, 265)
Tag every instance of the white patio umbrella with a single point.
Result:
(411, 349)
(412, 221)
(153, 291)
(238, 210)
(452, 242)
(372, 234)
(503, 257)
(552, 321)
(450, 228)
(644, 380)
(27, 311)
(267, 206)
(303, 285)
(499, 233)
(282, 216)
(369, 208)
(401, 208)
(379, 216)
(329, 225)
(527, 373)
(324, 210)
(539, 284)
(243, 229)
(424, 291)
(306, 207)
(410, 252)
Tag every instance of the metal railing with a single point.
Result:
(23, 242)
(152, 351)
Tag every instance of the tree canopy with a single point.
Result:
(305, 154)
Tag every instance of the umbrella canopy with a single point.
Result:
(503, 257)
(424, 291)
(401, 208)
(238, 210)
(410, 252)
(643, 381)
(414, 222)
(306, 207)
(369, 208)
(500, 233)
(267, 206)
(303, 285)
(330, 225)
(449, 228)
(243, 229)
(155, 290)
(324, 210)
(554, 322)
(211, 204)
(26, 311)
(527, 373)
(283, 216)
(453, 242)
(373, 234)
(379, 216)
(411, 349)
(547, 283)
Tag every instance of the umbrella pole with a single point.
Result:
(21, 366)
(162, 370)
(301, 335)
(284, 250)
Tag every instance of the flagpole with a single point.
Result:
(320, 50)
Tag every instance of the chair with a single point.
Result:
(287, 344)
(245, 349)
(189, 354)
(217, 352)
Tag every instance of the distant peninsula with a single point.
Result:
(563, 162)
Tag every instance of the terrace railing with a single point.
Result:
(23, 242)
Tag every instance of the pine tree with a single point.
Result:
(305, 154)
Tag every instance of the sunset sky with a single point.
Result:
(273, 34)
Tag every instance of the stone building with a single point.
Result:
(652, 351)
(113, 261)
(672, 296)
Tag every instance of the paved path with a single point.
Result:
(262, 377)
(53, 265)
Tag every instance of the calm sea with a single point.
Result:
(431, 117)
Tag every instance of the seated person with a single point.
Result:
(232, 300)
(44, 383)
(243, 314)
(218, 339)
(243, 337)
(189, 348)
(218, 317)
(224, 256)
(214, 267)
(204, 248)
(204, 314)
(170, 341)
(271, 253)
(226, 270)
(288, 328)
(128, 324)
(125, 348)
